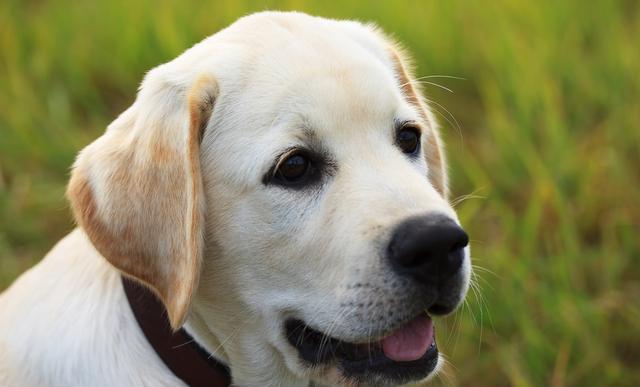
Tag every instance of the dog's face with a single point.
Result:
(313, 230)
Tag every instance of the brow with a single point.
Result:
(305, 139)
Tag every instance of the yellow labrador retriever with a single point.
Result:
(281, 188)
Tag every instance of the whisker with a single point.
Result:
(226, 339)
(457, 124)
(475, 289)
(484, 302)
(446, 375)
(369, 339)
(473, 316)
(440, 76)
(484, 270)
(327, 335)
(436, 84)
(462, 198)
(456, 339)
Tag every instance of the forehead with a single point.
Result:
(327, 73)
(343, 97)
(303, 75)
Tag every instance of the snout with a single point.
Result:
(429, 250)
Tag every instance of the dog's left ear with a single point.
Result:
(137, 190)
(434, 149)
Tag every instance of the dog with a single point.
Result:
(281, 189)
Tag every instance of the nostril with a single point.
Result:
(457, 238)
(452, 263)
(462, 240)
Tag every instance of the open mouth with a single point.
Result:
(408, 353)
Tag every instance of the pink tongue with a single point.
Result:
(411, 341)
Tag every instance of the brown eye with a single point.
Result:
(408, 139)
(293, 169)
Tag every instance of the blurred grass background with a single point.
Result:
(543, 136)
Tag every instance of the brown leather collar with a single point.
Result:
(179, 351)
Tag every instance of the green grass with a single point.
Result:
(548, 141)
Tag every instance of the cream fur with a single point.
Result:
(192, 219)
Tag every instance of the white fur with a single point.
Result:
(269, 253)
(66, 322)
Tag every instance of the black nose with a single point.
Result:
(430, 249)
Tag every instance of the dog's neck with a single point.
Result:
(178, 350)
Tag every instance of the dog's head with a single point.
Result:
(281, 186)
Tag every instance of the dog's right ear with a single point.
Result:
(137, 191)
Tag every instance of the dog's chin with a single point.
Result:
(407, 354)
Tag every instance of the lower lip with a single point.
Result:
(379, 364)
(366, 364)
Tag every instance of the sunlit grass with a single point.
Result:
(542, 131)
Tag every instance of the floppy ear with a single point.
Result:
(137, 191)
(434, 149)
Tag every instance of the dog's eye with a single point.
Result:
(293, 169)
(408, 139)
